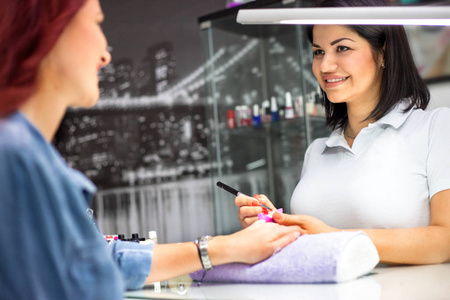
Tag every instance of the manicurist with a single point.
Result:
(385, 168)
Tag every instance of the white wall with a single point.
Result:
(440, 94)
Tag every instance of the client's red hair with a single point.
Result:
(28, 31)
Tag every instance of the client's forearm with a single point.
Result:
(172, 260)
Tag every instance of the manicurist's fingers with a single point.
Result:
(264, 200)
(243, 200)
(248, 221)
(249, 211)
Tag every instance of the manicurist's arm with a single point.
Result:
(421, 245)
(250, 245)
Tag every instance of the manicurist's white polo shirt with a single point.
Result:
(387, 178)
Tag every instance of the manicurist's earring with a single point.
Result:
(383, 66)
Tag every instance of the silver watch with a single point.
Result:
(202, 246)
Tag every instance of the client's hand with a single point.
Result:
(309, 224)
(250, 245)
(253, 244)
(249, 208)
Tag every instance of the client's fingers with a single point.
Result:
(286, 239)
(275, 231)
(286, 219)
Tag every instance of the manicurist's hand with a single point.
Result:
(249, 208)
(252, 244)
(309, 224)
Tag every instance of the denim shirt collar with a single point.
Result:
(86, 186)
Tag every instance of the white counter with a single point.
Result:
(430, 282)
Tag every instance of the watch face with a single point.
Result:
(205, 238)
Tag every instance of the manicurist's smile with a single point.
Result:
(334, 81)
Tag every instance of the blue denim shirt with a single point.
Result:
(49, 248)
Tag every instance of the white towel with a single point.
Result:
(313, 258)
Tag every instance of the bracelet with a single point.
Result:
(202, 248)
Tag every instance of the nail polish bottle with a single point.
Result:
(265, 112)
(299, 107)
(289, 109)
(274, 109)
(256, 119)
(310, 107)
(249, 116)
(231, 119)
(134, 237)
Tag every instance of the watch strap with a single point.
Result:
(202, 247)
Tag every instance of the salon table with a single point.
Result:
(428, 282)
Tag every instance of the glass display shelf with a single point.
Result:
(265, 71)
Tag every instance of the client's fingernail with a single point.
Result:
(255, 203)
(296, 234)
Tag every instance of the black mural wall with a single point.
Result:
(142, 131)
(148, 128)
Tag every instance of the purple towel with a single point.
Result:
(312, 258)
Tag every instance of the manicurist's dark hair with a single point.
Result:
(401, 79)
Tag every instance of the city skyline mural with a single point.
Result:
(149, 123)
(144, 144)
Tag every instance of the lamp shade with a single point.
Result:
(395, 15)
